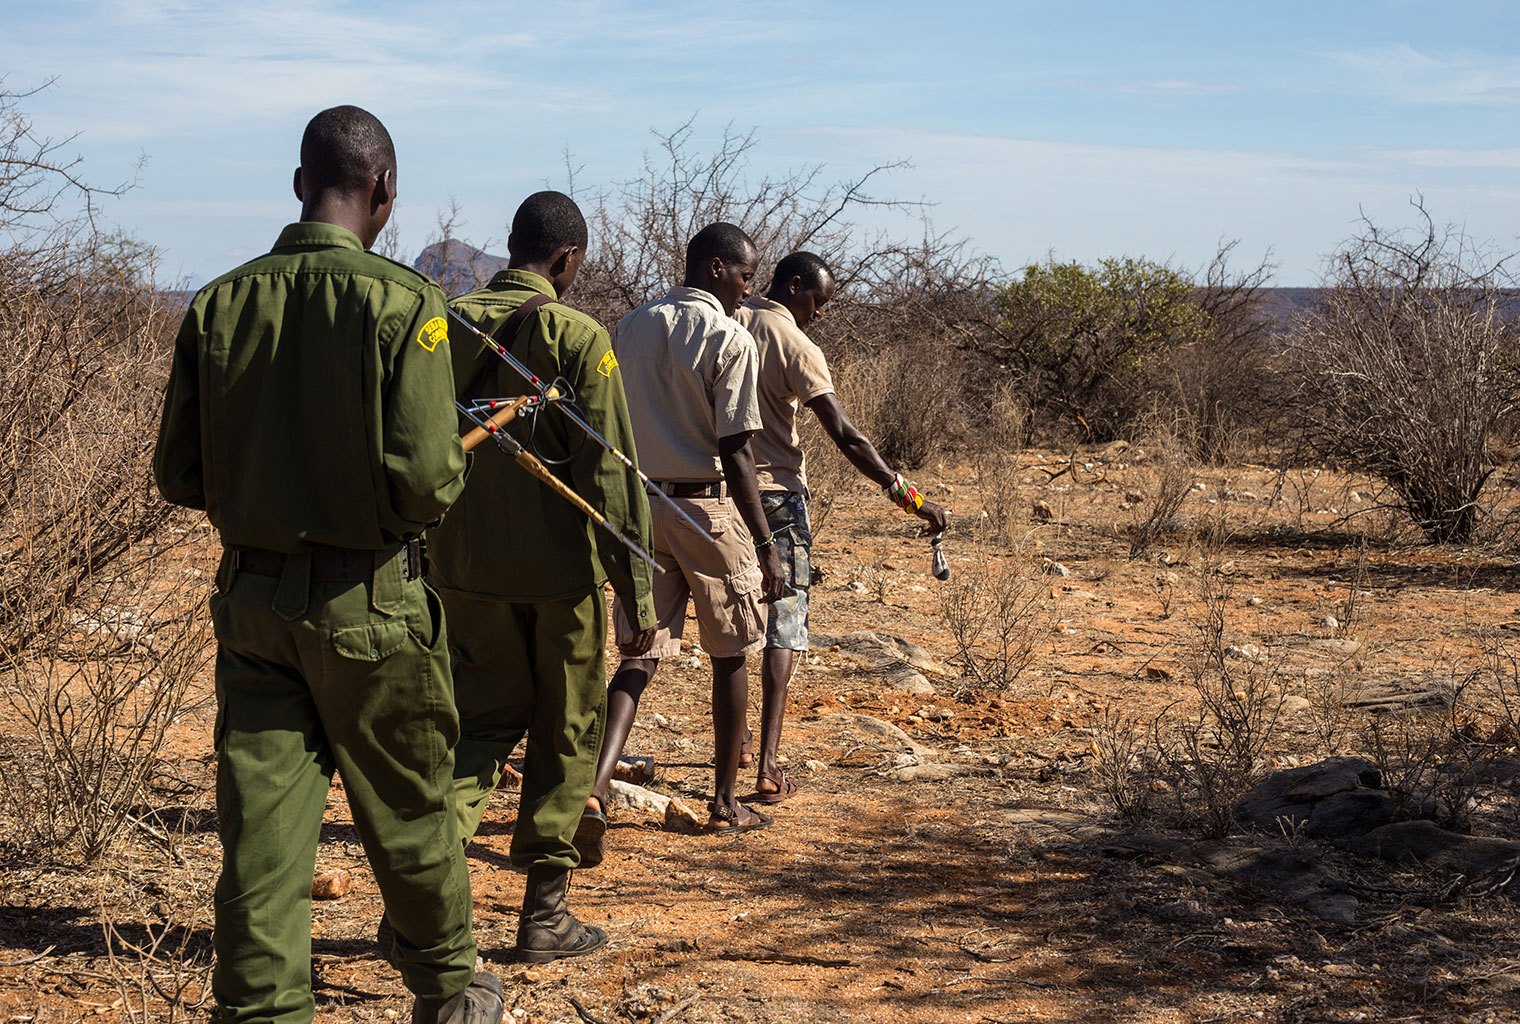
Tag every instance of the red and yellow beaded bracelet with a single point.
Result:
(904, 494)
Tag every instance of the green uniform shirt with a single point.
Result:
(510, 537)
(310, 400)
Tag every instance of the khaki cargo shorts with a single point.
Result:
(722, 580)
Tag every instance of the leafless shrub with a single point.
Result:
(1408, 369)
(1328, 695)
(93, 661)
(1123, 761)
(999, 613)
(1000, 442)
(164, 976)
(1222, 378)
(98, 703)
(1219, 749)
(1173, 480)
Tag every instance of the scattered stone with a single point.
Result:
(682, 819)
(857, 587)
(815, 766)
(660, 720)
(1244, 652)
(1330, 622)
(1157, 672)
(875, 727)
(1291, 795)
(1052, 568)
(1351, 813)
(1289, 875)
(899, 664)
(331, 885)
(1332, 647)
(936, 772)
(635, 770)
(1384, 696)
(1426, 844)
(1253, 602)
(930, 713)
(624, 796)
(691, 661)
(677, 946)
(1293, 704)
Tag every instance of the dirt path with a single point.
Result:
(983, 879)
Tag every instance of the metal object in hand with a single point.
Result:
(938, 564)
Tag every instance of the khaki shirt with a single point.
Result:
(690, 372)
(310, 400)
(793, 372)
(509, 537)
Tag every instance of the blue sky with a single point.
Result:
(1082, 129)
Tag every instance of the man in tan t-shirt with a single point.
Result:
(794, 372)
(689, 371)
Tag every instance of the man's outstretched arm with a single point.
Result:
(857, 447)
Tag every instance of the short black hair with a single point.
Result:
(345, 148)
(815, 273)
(544, 222)
(728, 242)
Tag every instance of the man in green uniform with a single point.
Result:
(309, 413)
(521, 571)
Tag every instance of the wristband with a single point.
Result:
(904, 494)
(761, 545)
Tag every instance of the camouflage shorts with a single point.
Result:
(786, 617)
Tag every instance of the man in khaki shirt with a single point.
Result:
(793, 372)
(689, 371)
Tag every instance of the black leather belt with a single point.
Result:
(680, 489)
(333, 565)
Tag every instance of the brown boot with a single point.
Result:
(480, 1003)
(547, 930)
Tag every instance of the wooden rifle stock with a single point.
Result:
(500, 419)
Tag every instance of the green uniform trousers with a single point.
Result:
(313, 677)
(533, 669)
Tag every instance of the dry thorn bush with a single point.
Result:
(999, 613)
(98, 702)
(1160, 513)
(165, 976)
(1408, 371)
(1218, 750)
(1123, 761)
(1000, 442)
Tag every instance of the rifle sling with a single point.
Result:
(506, 336)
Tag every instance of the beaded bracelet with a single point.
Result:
(904, 494)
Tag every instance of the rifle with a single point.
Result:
(565, 403)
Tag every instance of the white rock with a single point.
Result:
(625, 796)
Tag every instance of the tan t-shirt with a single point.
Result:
(690, 372)
(793, 372)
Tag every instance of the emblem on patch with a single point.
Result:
(433, 332)
(607, 365)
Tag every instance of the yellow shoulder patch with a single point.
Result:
(434, 331)
(607, 365)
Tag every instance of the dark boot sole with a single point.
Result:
(546, 956)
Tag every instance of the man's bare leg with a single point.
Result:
(730, 701)
(776, 679)
(623, 694)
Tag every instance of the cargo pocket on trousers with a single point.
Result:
(745, 586)
(374, 641)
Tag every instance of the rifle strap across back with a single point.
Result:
(507, 335)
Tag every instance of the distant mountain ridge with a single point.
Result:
(457, 266)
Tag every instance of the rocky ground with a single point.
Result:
(955, 853)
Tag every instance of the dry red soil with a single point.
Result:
(998, 891)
